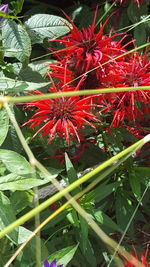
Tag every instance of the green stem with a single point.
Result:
(37, 237)
(23, 99)
(71, 187)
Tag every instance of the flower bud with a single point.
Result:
(3, 8)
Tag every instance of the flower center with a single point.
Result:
(61, 109)
(132, 79)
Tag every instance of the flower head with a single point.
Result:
(63, 116)
(135, 257)
(53, 264)
(86, 51)
(4, 9)
(133, 72)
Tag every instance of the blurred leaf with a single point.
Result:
(15, 37)
(71, 173)
(41, 26)
(15, 163)
(83, 233)
(5, 15)
(73, 218)
(89, 255)
(143, 174)
(140, 34)
(7, 216)
(41, 66)
(135, 184)
(12, 141)
(21, 199)
(11, 85)
(28, 256)
(16, 5)
(105, 220)
(63, 256)
(4, 125)
(135, 13)
(23, 234)
(124, 211)
(79, 14)
(14, 181)
(101, 191)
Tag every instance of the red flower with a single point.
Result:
(64, 116)
(133, 72)
(143, 259)
(86, 51)
(61, 72)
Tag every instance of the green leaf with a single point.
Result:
(105, 220)
(135, 13)
(124, 211)
(101, 192)
(11, 85)
(80, 13)
(41, 26)
(23, 234)
(41, 66)
(21, 199)
(90, 255)
(7, 216)
(73, 218)
(16, 37)
(13, 181)
(63, 256)
(4, 125)
(83, 233)
(17, 5)
(15, 163)
(5, 15)
(135, 184)
(71, 173)
(143, 174)
(140, 34)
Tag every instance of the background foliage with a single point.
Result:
(26, 52)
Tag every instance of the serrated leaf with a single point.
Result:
(11, 85)
(16, 37)
(63, 256)
(35, 71)
(7, 216)
(15, 163)
(4, 125)
(41, 66)
(41, 26)
(13, 182)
